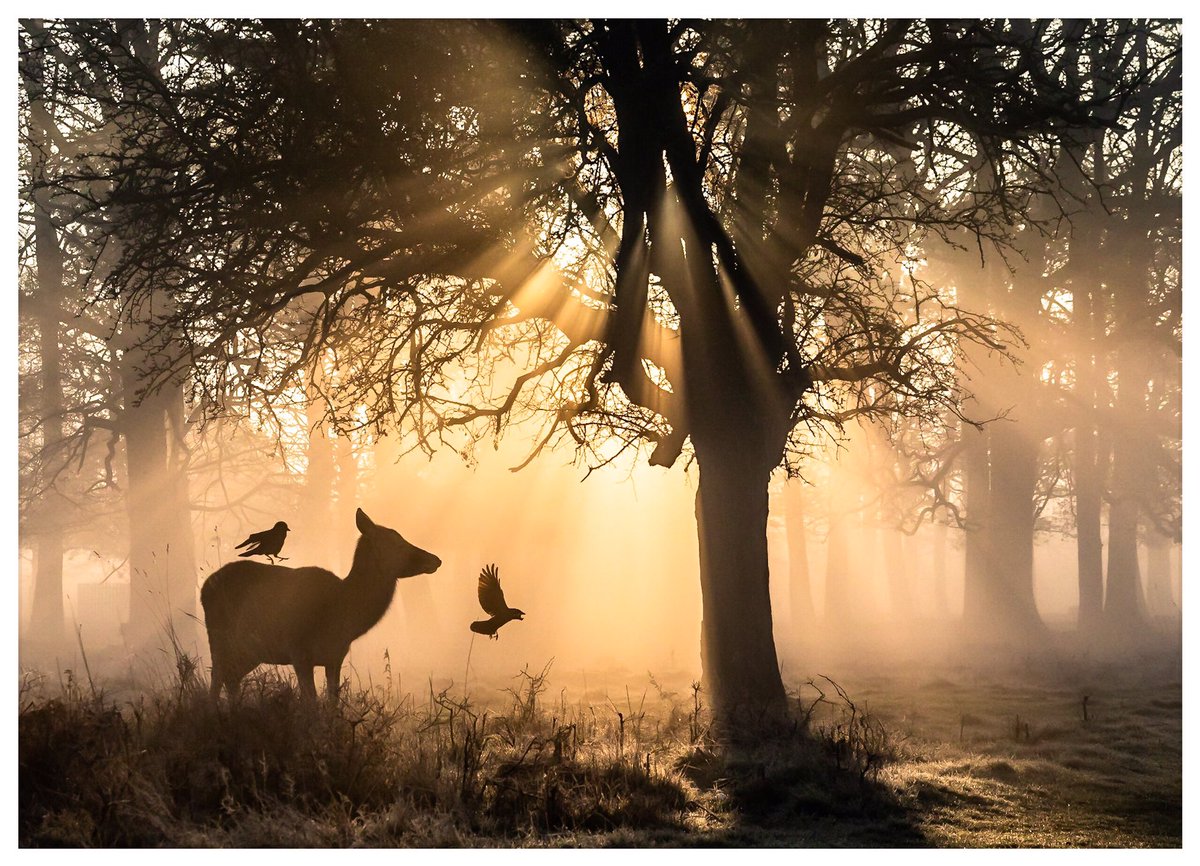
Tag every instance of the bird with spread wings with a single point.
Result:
(491, 599)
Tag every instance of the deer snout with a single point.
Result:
(432, 564)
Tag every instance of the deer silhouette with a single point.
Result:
(304, 617)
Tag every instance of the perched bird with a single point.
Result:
(491, 599)
(267, 543)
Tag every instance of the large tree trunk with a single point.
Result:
(741, 669)
(735, 405)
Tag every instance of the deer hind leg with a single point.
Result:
(304, 677)
(233, 685)
(333, 679)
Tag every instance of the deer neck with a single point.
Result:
(367, 590)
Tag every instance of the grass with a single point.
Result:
(957, 759)
(1007, 759)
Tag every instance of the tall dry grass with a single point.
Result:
(172, 767)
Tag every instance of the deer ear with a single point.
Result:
(363, 522)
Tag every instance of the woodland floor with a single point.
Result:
(952, 757)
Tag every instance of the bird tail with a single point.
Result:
(247, 553)
(245, 543)
(481, 626)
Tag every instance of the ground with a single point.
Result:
(963, 755)
(1001, 762)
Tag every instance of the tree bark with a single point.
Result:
(741, 668)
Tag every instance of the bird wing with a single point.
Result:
(491, 596)
(255, 538)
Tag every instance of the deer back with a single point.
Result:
(267, 613)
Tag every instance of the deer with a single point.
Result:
(304, 617)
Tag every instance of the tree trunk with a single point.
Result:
(976, 593)
(1124, 608)
(1088, 542)
(1122, 599)
(1088, 476)
(46, 617)
(1014, 468)
(46, 614)
(998, 601)
(162, 603)
(1159, 600)
(741, 669)
(799, 584)
(736, 408)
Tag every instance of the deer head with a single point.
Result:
(391, 553)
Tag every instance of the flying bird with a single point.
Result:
(267, 543)
(491, 599)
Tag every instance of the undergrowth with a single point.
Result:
(172, 767)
